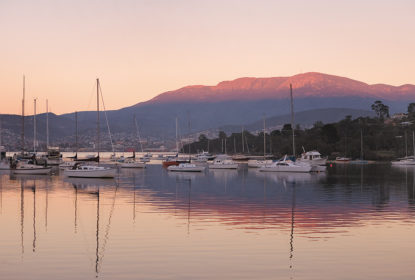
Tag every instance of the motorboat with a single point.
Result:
(257, 163)
(53, 156)
(90, 171)
(223, 163)
(203, 157)
(186, 167)
(312, 158)
(286, 165)
(342, 159)
(131, 163)
(30, 167)
(174, 160)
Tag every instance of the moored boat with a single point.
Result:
(30, 168)
(286, 165)
(222, 162)
(131, 163)
(90, 171)
(186, 167)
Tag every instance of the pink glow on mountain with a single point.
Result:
(304, 85)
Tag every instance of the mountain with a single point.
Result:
(239, 102)
(306, 85)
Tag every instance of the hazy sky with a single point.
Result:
(140, 48)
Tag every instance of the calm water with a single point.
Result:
(353, 222)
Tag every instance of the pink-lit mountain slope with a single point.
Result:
(304, 86)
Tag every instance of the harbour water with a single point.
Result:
(351, 222)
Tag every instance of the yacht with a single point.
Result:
(90, 171)
(186, 167)
(223, 162)
(131, 163)
(30, 167)
(286, 165)
(53, 156)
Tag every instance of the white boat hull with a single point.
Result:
(279, 168)
(176, 168)
(258, 163)
(106, 173)
(223, 166)
(404, 162)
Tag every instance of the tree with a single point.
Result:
(329, 133)
(411, 108)
(202, 138)
(380, 109)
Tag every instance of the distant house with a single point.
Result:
(399, 116)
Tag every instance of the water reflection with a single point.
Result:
(140, 219)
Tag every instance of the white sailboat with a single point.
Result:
(92, 171)
(407, 160)
(31, 167)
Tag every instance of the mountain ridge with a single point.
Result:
(311, 84)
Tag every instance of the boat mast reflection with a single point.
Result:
(34, 215)
(22, 186)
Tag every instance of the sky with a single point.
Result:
(141, 48)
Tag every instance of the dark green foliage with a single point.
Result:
(381, 140)
(380, 109)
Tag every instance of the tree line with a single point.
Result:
(382, 138)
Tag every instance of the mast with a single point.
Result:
(177, 143)
(406, 145)
(243, 146)
(264, 138)
(98, 139)
(361, 144)
(22, 136)
(34, 125)
(47, 125)
(76, 132)
(292, 117)
(413, 142)
(138, 133)
(0, 132)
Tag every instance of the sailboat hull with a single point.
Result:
(106, 173)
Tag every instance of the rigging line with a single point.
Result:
(106, 118)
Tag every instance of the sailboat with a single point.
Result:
(256, 163)
(131, 162)
(92, 171)
(285, 164)
(407, 160)
(361, 160)
(31, 166)
(174, 160)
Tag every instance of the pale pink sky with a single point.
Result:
(142, 48)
